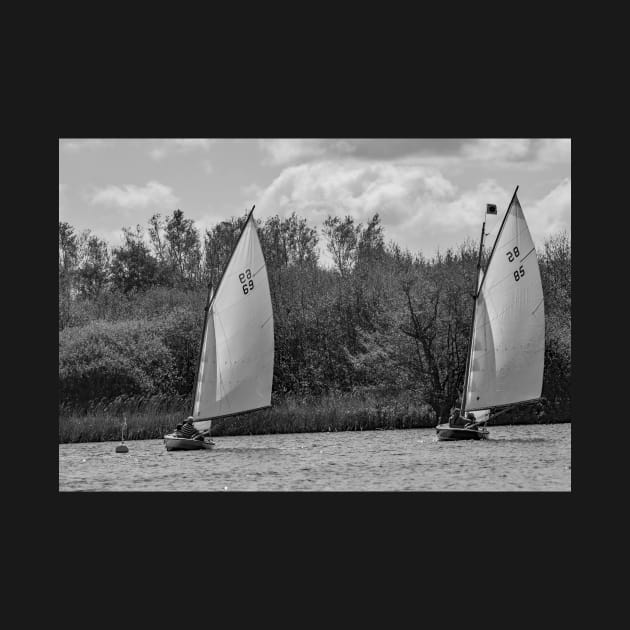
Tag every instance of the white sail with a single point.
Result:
(236, 366)
(508, 346)
(480, 415)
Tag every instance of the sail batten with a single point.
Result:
(507, 348)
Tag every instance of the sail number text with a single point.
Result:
(511, 256)
(247, 283)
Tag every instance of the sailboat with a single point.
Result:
(506, 350)
(235, 369)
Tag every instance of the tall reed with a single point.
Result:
(154, 416)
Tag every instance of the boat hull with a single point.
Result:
(173, 443)
(448, 433)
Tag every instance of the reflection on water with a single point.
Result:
(533, 457)
(520, 440)
(243, 450)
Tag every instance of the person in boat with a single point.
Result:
(456, 419)
(178, 430)
(470, 419)
(189, 431)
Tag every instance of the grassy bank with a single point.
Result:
(152, 417)
(146, 417)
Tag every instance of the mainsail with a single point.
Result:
(481, 415)
(508, 343)
(236, 364)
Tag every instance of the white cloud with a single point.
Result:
(446, 222)
(498, 152)
(500, 149)
(280, 151)
(352, 187)
(411, 199)
(430, 194)
(131, 196)
(551, 214)
(555, 150)
(419, 207)
(522, 153)
(62, 198)
(169, 146)
(468, 210)
(252, 191)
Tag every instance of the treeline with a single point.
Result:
(381, 320)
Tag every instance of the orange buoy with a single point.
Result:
(122, 448)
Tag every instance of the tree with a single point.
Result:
(302, 241)
(133, 268)
(555, 271)
(438, 301)
(94, 267)
(288, 241)
(371, 246)
(183, 249)
(219, 243)
(67, 248)
(382, 319)
(68, 254)
(342, 238)
(156, 227)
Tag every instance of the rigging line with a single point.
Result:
(528, 253)
(509, 274)
(507, 243)
(537, 307)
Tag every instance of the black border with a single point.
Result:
(510, 533)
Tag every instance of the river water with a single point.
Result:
(523, 457)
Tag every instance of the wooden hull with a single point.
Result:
(446, 433)
(173, 443)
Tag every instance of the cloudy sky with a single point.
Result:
(429, 194)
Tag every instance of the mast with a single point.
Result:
(472, 324)
(209, 302)
(203, 334)
(496, 240)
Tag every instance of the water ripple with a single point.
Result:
(533, 457)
